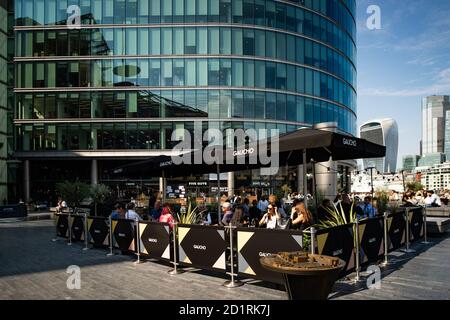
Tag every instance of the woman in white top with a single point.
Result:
(270, 218)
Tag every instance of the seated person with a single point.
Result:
(432, 200)
(131, 214)
(238, 217)
(270, 218)
(366, 210)
(227, 213)
(167, 215)
(301, 217)
(156, 211)
(119, 211)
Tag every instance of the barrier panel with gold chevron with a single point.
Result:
(203, 247)
(396, 230)
(124, 234)
(154, 240)
(77, 225)
(98, 231)
(371, 240)
(62, 225)
(338, 242)
(416, 224)
(254, 243)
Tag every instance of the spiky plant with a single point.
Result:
(191, 216)
(336, 217)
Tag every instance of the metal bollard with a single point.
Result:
(232, 283)
(111, 253)
(358, 267)
(175, 269)
(313, 240)
(70, 229)
(56, 231)
(86, 233)
(408, 235)
(138, 242)
(425, 232)
(385, 240)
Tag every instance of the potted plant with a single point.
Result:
(73, 193)
(190, 215)
(99, 194)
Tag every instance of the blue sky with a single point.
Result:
(408, 59)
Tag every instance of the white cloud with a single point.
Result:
(440, 85)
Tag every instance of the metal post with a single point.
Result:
(56, 231)
(313, 240)
(305, 179)
(138, 242)
(408, 236)
(425, 233)
(111, 253)
(175, 269)
(86, 233)
(232, 283)
(358, 267)
(385, 240)
(218, 191)
(70, 229)
(314, 183)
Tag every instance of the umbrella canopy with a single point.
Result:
(320, 146)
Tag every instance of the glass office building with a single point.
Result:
(7, 168)
(136, 70)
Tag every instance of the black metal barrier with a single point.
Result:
(371, 240)
(207, 247)
(98, 231)
(62, 225)
(124, 233)
(254, 243)
(154, 240)
(416, 221)
(203, 247)
(396, 230)
(77, 227)
(338, 242)
(14, 211)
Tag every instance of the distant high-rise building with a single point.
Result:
(384, 132)
(410, 162)
(434, 124)
(432, 159)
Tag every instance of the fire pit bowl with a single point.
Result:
(306, 276)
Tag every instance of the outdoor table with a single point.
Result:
(306, 276)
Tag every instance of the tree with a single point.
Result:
(414, 186)
(99, 194)
(73, 192)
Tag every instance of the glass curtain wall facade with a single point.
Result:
(236, 64)
(136, 70)
(6, 99)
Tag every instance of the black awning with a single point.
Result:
(320, 146)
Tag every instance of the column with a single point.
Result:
(326, 180)
(26, 178)
(94, 172)
(162, 188)
(230, 184)
(300, 179)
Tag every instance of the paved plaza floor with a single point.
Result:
(34, 267)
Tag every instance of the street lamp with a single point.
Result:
(371, 179)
